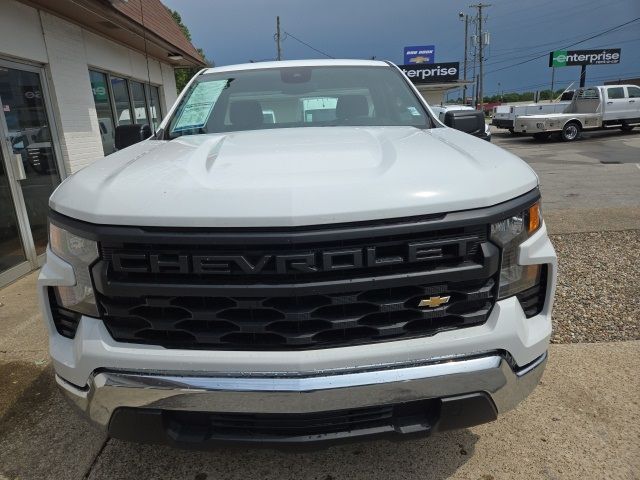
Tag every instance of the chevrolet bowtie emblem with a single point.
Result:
(433, 302)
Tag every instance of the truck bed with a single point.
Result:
(555, 122)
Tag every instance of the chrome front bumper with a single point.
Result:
(322, 391)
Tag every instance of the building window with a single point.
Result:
(154, 106)
(120, 101)
(103, 111)
(139, 103)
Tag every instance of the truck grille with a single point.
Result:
(296, 289)
(312, 321)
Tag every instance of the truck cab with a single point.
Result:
(621, 102)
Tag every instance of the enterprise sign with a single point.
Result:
(569, 58)
(432, 73)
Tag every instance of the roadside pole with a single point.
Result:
(279, 57)
(583, 75)
(482, 37)
(553, 75)
(466, 41)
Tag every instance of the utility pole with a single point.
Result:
(462, 15)
(279, 57)
(482, 40)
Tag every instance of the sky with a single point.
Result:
(237, 31)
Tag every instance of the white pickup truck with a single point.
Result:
(592, 108)
(504, 116)
(318, 274)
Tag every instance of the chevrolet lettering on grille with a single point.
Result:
(303, 262)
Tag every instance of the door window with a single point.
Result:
(634, 92)
(614, 93)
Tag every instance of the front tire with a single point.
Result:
(570, 132)
(626, 127)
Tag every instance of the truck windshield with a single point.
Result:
(297, 97)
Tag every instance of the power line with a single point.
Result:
(567, 46)
(307, 45)
(511, 50)
(526, 87)
(542, 52)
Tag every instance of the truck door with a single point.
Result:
(633, 102)
(616, 104)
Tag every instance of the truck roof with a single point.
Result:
(297, 63)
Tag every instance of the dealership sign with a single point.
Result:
(570, 58)
(432, 73)
(420, 54)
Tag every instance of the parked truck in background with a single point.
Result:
(298, 278)
(504, 116)
(593, 108)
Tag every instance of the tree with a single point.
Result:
(178, 19)
(184, 74)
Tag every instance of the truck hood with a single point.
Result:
(289, 177)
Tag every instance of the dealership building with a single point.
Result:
(70, 72)
(435, 80)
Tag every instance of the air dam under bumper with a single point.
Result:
(396, 399)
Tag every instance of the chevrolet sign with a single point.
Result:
(276, 263)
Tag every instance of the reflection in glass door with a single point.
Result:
(11, 249)
(30, 167)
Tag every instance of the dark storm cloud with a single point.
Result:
(236, 31)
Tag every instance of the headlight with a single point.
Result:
(509, 234)
(81, 253)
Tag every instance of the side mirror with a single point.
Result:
(127, 135)
(468, 121)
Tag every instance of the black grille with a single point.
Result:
(532, 299)
(311, 321)
(364, 285)
(387, 418)
(66, 321)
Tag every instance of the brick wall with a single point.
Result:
(73, 100)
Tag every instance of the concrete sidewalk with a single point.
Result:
(583, 421)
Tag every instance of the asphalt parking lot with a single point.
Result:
(583, 421)
(591, 184)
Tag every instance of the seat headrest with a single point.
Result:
(352, 106)
(245, 114)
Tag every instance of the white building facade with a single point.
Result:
(70, 72)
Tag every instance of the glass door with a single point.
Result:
(29, 167)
